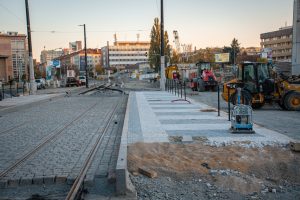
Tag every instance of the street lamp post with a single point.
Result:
(85, 55)
(31, 71)
(162, 48)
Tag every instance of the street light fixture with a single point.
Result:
(85, 55)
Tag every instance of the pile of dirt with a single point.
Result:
(243, 170)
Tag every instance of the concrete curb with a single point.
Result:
(124, 185)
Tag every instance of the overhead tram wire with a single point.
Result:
(12, 13)
(108, 31)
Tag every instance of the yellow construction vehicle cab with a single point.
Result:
(172, 72)
(261, 84)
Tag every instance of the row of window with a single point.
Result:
(120, 60)
(282, 51)
(137, 54)
(129, 49)
(277, 38)
(278, 44)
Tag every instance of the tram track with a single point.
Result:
(77, 186)
(47, 139)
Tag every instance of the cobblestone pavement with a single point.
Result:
(269, 116)
(60, 160)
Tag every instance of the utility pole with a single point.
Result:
(31, 71)
(85, 58)
(162, 48)
(296, 39)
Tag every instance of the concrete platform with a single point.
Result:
(157, 116)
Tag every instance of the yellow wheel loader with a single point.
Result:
(261, 83)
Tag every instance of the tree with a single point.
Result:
(99, 69)
(233, 50)
(154, 51)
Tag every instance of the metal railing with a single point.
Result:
(12, 89)
(176, 87)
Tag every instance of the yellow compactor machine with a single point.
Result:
(261, 83)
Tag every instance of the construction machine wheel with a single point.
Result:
(281, 105)
(292, 101)
(257, 105)
(200, 85)
(246, 98)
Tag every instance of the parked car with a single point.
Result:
(72, 81)
(40, 83)
(82, 80)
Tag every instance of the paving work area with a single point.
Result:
(196, 157)
(43, 148)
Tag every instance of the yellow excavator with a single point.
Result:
(172, 72)
(261, 83)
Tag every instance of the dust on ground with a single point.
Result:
(242, 170)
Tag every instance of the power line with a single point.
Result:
(12, 13)
(95, 31)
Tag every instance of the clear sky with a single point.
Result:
(204, 23)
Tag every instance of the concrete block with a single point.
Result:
(147, 172)
(295, 146)
(26, 181)
(60, 179)
(111, 178)
(13, 182)
(38, 180)
(89, 181)
(3, 184)
(48, 180)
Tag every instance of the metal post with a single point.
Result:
(218, 100)
(2, 91)
(85, 55)
(162, 48)
(10, 83)
(228, 95)
(31, 71)
(17, 88)
(184, 91)
(175, 87)
(23, 87)
(180, 90)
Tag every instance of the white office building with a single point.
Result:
(125, 54)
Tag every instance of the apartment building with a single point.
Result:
(125, 54)
(48, 55)
(13, 56)
(280, 42)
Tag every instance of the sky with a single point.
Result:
(202, 23)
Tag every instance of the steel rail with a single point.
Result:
(75, 189)
(47, 139)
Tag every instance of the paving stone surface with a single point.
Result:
(162, 114)
(61, 159)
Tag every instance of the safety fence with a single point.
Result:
(13, 89)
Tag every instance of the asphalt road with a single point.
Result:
(270, 116)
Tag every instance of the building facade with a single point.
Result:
(296, 39)
(280, 42)
(125, 54)
(75, 46)
(76, 61)
(13, 56)
(48, 55)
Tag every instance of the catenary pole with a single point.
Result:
(162, 48)
(31, 72)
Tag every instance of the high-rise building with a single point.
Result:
(125, 54)
(296, 39)
(13, 56)
(48, 55)
(75, 46)
(76, 61)
(280, 42)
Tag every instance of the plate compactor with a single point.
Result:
(241, 117)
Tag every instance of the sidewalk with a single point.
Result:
(23, 100)
(153, 117)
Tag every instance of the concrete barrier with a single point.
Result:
(124, 185)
